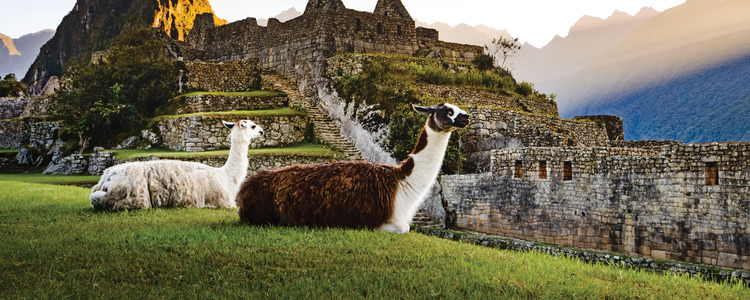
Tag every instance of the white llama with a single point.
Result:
(170, 183)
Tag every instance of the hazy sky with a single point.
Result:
(535, 21)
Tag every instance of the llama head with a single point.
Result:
(244, 130)
(444, 117)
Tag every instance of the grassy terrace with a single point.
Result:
(303, 149)
(56, 246)
(37, 177)
(8, 151)
(262, 94)
(286, 111)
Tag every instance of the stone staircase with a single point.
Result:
(423, 220)
(326, 128)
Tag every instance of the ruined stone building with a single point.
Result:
(535, 176)
(299, 47)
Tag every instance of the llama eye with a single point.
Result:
(252, 127)
(450, 113)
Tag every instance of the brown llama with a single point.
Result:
(353, 194)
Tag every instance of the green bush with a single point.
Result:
(119, 93)
(525, 88)
(484, 62)
(10, 87)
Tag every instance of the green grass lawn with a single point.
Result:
(303, 149)
(56, 246)
(286, 111)
(37, 177)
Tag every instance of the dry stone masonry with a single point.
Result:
(677, 202)
(290, 48)
(12, 107)
(209, 103)
(231, 76)
(205, 133)
(493, 128)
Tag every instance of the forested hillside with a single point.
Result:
(711, 105)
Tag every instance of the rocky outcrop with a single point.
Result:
(177, 19)
(93, 25)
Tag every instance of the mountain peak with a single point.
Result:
(617, 17)
(8, 43)
(177, 19)
(647, 11)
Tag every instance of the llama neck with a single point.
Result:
(237, 162)
(428, 160)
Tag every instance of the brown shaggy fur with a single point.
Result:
(338, 194)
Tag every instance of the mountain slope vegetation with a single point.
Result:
(707, 106)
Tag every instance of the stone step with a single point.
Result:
(326, 128)
(423, 220)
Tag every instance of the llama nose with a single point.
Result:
(461, 120)
(261, 132)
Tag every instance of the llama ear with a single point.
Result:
(227, 124)
(424, 110)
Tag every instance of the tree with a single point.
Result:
(10, 87)
(503, 48)
(116, 96)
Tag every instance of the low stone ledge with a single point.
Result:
(209, 103)
(206, 133)
(645, 264)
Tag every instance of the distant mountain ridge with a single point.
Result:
(587, 39)
(479, 35)
(16, 55)
(282, 17)
(670, 75)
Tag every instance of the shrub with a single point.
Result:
(116, 96)
(10, 87)
(484, 62)
(525, 88)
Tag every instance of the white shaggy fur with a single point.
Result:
(170, 183)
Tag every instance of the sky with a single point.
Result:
(533, 21)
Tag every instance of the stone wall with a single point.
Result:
(299, 47)
(493, 128)
(203, 133)
(473, 97)
(13, 133)
(209, 103)
(38, 107)
(659, 203)
(12, 107)
(101, 160)
(231, 76)
(257, 162)
(19, 132)
(458, 52)
(615, 131)
(642, 144)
